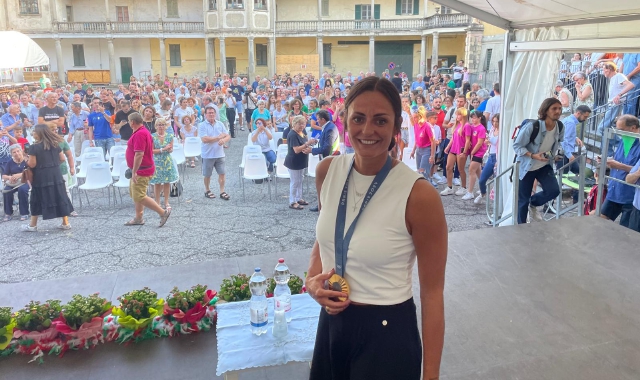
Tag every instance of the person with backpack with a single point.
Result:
(535, 146)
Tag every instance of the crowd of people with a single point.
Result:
(449, 126)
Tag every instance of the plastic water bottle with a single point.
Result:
(282, 292)
(258, 303)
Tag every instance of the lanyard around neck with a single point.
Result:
(342, 240)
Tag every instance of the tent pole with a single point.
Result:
(505, 130)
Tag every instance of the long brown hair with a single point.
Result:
(47, 137)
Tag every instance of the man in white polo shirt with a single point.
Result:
(213, 135)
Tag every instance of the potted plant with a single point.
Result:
(136, 311)
(235, 288)
(7, 324)
(81, 320)
(35, 319)
(189, 310)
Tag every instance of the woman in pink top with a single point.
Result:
(423, 151)
(455, 147)
(475, 134)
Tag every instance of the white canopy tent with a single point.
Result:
(20, 51)
(538, 31)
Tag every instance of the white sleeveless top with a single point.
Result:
(381, 253)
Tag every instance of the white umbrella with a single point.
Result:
(20, 51)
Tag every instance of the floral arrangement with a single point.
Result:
(34, 332)
(131, 320)
(80, 324)
(235, 288)
(296, 284)
(187, 311)
(7, 324)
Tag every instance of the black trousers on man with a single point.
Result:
(231, 116)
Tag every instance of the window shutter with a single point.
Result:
(358, 12)
(398, 7)
(376, 12)
(416, 7)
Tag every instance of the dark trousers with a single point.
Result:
(368, 342)
(23, 200)
(550, 190)
(231, 116)
(573, 168)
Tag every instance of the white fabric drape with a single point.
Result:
(20, 51)
(532, 80)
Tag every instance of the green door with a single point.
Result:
(126, 68)
(397, 53)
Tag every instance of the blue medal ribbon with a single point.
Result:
(342, 240)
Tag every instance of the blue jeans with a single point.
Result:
(23, 200)
(271, 159)
(608, 122)
(422, 161)
(550, 190)
(632, 104)
(105, 144)
(487, 172)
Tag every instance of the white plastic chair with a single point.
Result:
(281, 170)
(406, 158)
(85, 145)
(117, 161)
(255, 167)
(311, 169)
(87, 159)
(98, 177)
(276, 137)
(113, 152)
(72, 183)
(283, 148)
(122, 180)
(249, 142)
(178, 157)
(248, 149)
(192, 147)
(95, 149)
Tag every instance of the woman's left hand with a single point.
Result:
(315, 288)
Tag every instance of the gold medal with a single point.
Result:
(338, 284)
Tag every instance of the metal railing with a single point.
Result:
(559, 210)
(417, 24)
(602, 175)
(497, 196)
(129, 27)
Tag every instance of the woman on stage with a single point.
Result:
(382, 216)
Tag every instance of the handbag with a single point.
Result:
(176, 190)
(27, 175)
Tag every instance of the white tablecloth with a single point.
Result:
(239, 349)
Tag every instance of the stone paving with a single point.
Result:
(199, 229)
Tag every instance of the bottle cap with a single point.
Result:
(281, 261)
(257, 269)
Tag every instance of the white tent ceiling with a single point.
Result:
(519, 14)
(20, 51)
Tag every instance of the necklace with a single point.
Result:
(356, 202)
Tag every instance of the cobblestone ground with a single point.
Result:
(199, 229)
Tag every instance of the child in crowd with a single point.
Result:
(592, 199)
(18, 132)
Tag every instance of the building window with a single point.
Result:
(487, 60)
(69, 13)
(325, 8)
(406, 7)
(29, 7)
(235, 4)
(326, 54)
(174, 55)
(446, 10)
(366, 12)
(261, 55)
(363, 12)
(213, 5)
(260, 5)
(122, 13)
(172, 9)
(78, 55)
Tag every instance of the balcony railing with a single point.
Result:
(129, 27)
(432, 22)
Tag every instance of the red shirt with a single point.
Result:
(22, 141)
(440, 121)
(141, 141)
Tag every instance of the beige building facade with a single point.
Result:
(253, 37)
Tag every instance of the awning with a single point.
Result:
(20, 51)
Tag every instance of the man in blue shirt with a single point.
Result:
(568, 145)
(78, 119)
(417, 83)
(11, 119)
(619, 198)
(631, 69)
(100, 133)
(634, 178)
(329, 139)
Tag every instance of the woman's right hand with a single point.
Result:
(315, 288)
(447, 149)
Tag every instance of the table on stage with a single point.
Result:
(239, 349)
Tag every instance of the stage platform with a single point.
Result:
(556, 300)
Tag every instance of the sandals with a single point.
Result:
(24, 217)
(163, 218)
(6, 218)
(193, 164)
(135, 222)
(303, 202)
(209, 194)
(167, 207)
(224, 196)
(296, 206)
